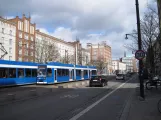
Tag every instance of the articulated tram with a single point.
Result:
(55, 72)
(21, 73)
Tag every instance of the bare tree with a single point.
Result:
(46, 51)
(100, 64)
(149, 32)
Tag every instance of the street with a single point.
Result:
(78, 103)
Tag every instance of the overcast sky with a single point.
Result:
(90, 20)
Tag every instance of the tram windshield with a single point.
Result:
(41, 71)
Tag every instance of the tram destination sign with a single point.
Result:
(139, 54)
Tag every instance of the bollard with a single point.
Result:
(10, 96)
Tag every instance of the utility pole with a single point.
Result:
(140, 48)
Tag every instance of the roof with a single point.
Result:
(60, 64)
(7, 21)
(17, 63)
(53, 38)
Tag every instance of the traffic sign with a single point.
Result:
(139, 54)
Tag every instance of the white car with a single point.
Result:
(120, 77)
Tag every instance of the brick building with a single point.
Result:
(25, 38)
(101, 52)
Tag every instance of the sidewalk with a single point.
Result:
(145, 110)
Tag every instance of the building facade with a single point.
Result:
(101, 52)
(131, 63)
(25, 38)
(7, 39)
(118, 67)
(49, 48)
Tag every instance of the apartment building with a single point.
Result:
(118, 67)
(25, 38)
(57, 49)
(7, 39)
(101, 52)
(131, 63)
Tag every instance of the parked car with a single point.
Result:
(120, 77)
(96, 80)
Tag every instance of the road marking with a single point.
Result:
(69, 96)
(97, 102)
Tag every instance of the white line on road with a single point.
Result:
(97, 102)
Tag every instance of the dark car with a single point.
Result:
(98, 80)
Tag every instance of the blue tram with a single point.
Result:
(17, 73)
(56, 72)
(21, 73)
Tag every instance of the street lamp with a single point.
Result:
(139, 48)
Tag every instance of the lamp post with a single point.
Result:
(140, 48)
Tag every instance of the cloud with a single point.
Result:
(90, 20)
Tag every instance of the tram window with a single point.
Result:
(78, 72)
(63, 72)
(93, 72)
(12, 72)
(3, 72)
(28, 72)
(85, 72)
(49, 72)
(59, 72)
(67, 72)
(20, 73)
(34, 72)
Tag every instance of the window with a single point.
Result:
(34, 72)
(63, 72)
(78, 72)
(20, 73)
(2, 40)
(10, 42)
(31, 46)
(20, 51)
(2, 30)
(28, 72)
(10, 32)
(26, 52)
(31, 53)
(20, 35)
(10, 50)
(32, 39)
(85, 72)
(49, 72)
(20, 43)
(10, 57)
(12, 73)
(26, 37)
(19, 59)
(27, 45)
(4, 72)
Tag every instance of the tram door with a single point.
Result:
(90, 74)
(55, 75)
(82, 74)
(71, 74)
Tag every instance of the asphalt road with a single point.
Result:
(79, 103)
